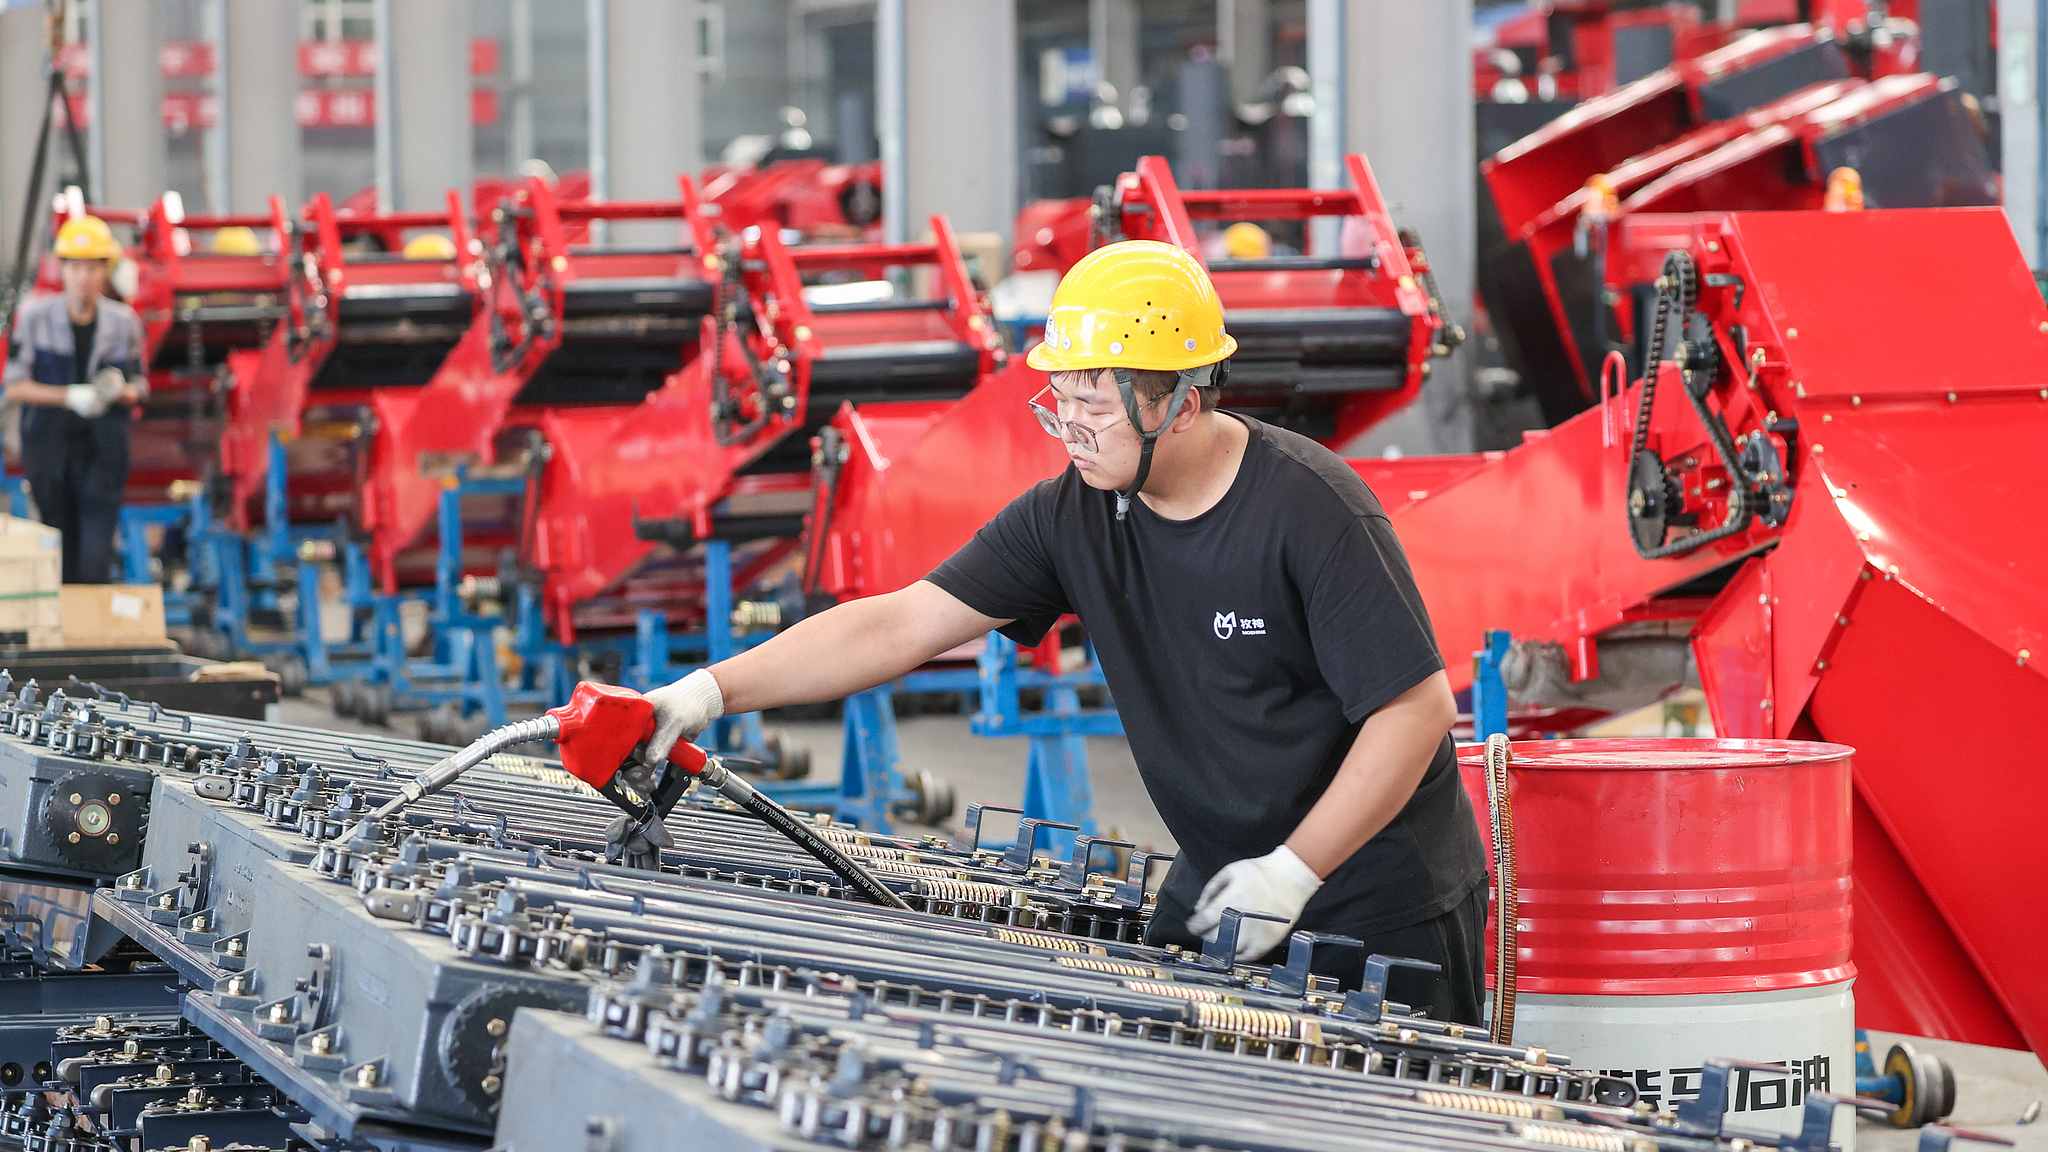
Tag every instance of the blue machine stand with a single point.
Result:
(1057, 788)
(1489, 693)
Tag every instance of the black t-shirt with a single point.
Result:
(81, 348)
(1244, 648)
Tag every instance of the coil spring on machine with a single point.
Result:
(1589, 1139)
(1516, 1107)
(1053, 943)
(966, 892)
(904, 868)
(1177, 991)
(1110, 967)
(1261, 1022)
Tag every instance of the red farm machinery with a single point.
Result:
(1758, 474)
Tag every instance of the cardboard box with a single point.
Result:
(31, 567)
(112, 615)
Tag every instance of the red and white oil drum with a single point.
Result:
(1681, 900)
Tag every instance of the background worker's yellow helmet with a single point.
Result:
(86, 238)
(1134, 304)
(235, 240)
(1138, 305)
(1245, 240)
(430, 246)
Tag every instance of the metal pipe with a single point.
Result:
(96, 103)
(2041, 133)
(385, 91)
(219, 197)
(892, 117)
(1326, 123)
(597, 36)
(519, 134)
(598, 25)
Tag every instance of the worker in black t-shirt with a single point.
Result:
(1257, 624)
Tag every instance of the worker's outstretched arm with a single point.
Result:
(1387, 760)
(846, 649)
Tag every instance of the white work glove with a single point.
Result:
(85, 400)
(681, 711)
(1276, 884)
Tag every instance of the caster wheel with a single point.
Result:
(346, 697)
(376, 707)
(433, 724)
(291, 676)
(783, 758)
(935, 799)
(463, 730)
(1929, 1086)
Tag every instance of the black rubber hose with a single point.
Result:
(784, 821)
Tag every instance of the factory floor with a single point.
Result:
(1994, 1086)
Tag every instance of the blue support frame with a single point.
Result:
(1058, 788)
(1489, 692)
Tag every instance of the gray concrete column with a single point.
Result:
(259, 75)
(961, 113)
(24, 84)
(423, 101)
(128, 137)
(1408, 108)
(656, 103)
(1244, 44)
(1113, 41)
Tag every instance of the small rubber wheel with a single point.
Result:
(345, 698)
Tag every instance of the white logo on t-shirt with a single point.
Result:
(1228, 624)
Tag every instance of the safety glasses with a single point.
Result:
(1081, 435)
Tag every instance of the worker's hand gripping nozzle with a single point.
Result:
(598, 731)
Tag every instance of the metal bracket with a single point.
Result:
(1293, 977)
(1221, 953)
(1369, 1001)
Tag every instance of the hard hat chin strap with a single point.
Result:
(1147, 439)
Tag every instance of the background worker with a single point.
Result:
(74, 366)
(1255, 619)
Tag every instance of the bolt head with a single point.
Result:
(366, 1076)
(496, 1027)
(76, 798)
(322, 1043)
(491, 1084)
(235, 947)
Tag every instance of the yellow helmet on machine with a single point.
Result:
(430, 246)
(1144, 305)
(86, 238)
(236, 240)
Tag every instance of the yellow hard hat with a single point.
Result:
(430, 246)
(1134, 304)
(236, 240)
(86, 238)
(1245, 240)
